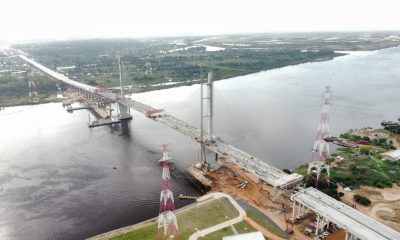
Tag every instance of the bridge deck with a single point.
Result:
(350, 219)
(265, 171)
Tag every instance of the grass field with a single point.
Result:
(264, 223)
(200, 217)
(241, 227)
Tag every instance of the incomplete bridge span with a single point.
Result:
(273, 176)
(329, 210)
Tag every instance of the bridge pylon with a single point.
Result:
(124, 111)
(206, 118)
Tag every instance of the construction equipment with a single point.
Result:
(154, 113)
(185, 197)
(242, 185)
(288, 230)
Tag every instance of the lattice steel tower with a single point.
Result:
(148, 70)
(31, 86)
(167, 223)
(320, 150)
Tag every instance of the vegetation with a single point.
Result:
(380, 142)
(145, 233)
(241, 227)
(264, 223)
(395, 129)
(362, 200)
(176, 61)
(362, 166)
(324, 185)
(357, 169)
(200, 217)
(14, 84)
(94, 61)
(369, 170)
(218, 235)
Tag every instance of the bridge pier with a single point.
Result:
(294, 210)
(124, 112)
(317, 226)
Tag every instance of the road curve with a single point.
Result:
(217, 195)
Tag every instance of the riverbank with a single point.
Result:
(167, 85)
(211, 213)
(24, 101)
(364, 172)
(142, 88)
(213, 216)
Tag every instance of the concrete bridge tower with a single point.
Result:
(124, 111)
(207, 117)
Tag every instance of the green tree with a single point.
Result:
(362, 200)
(365, 150)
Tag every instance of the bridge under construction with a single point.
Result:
(329, 210)
(268, 173)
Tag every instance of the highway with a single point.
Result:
(268, 173)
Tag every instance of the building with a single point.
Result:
(246, 236)
(392, 155)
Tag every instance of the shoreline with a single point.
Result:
(165, 85)
(48, 100)
(203, 200)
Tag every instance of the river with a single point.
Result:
(57, 176)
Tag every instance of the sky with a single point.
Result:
(61, 19)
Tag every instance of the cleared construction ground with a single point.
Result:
(385, 204)
(256, 193)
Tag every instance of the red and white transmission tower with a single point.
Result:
(167, 223)
(320, 150)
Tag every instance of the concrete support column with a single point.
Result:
(299, 210)
(347, 236)
(294, 210)
(302, 210)
(317, 227)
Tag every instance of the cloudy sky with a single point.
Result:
(59, 19)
